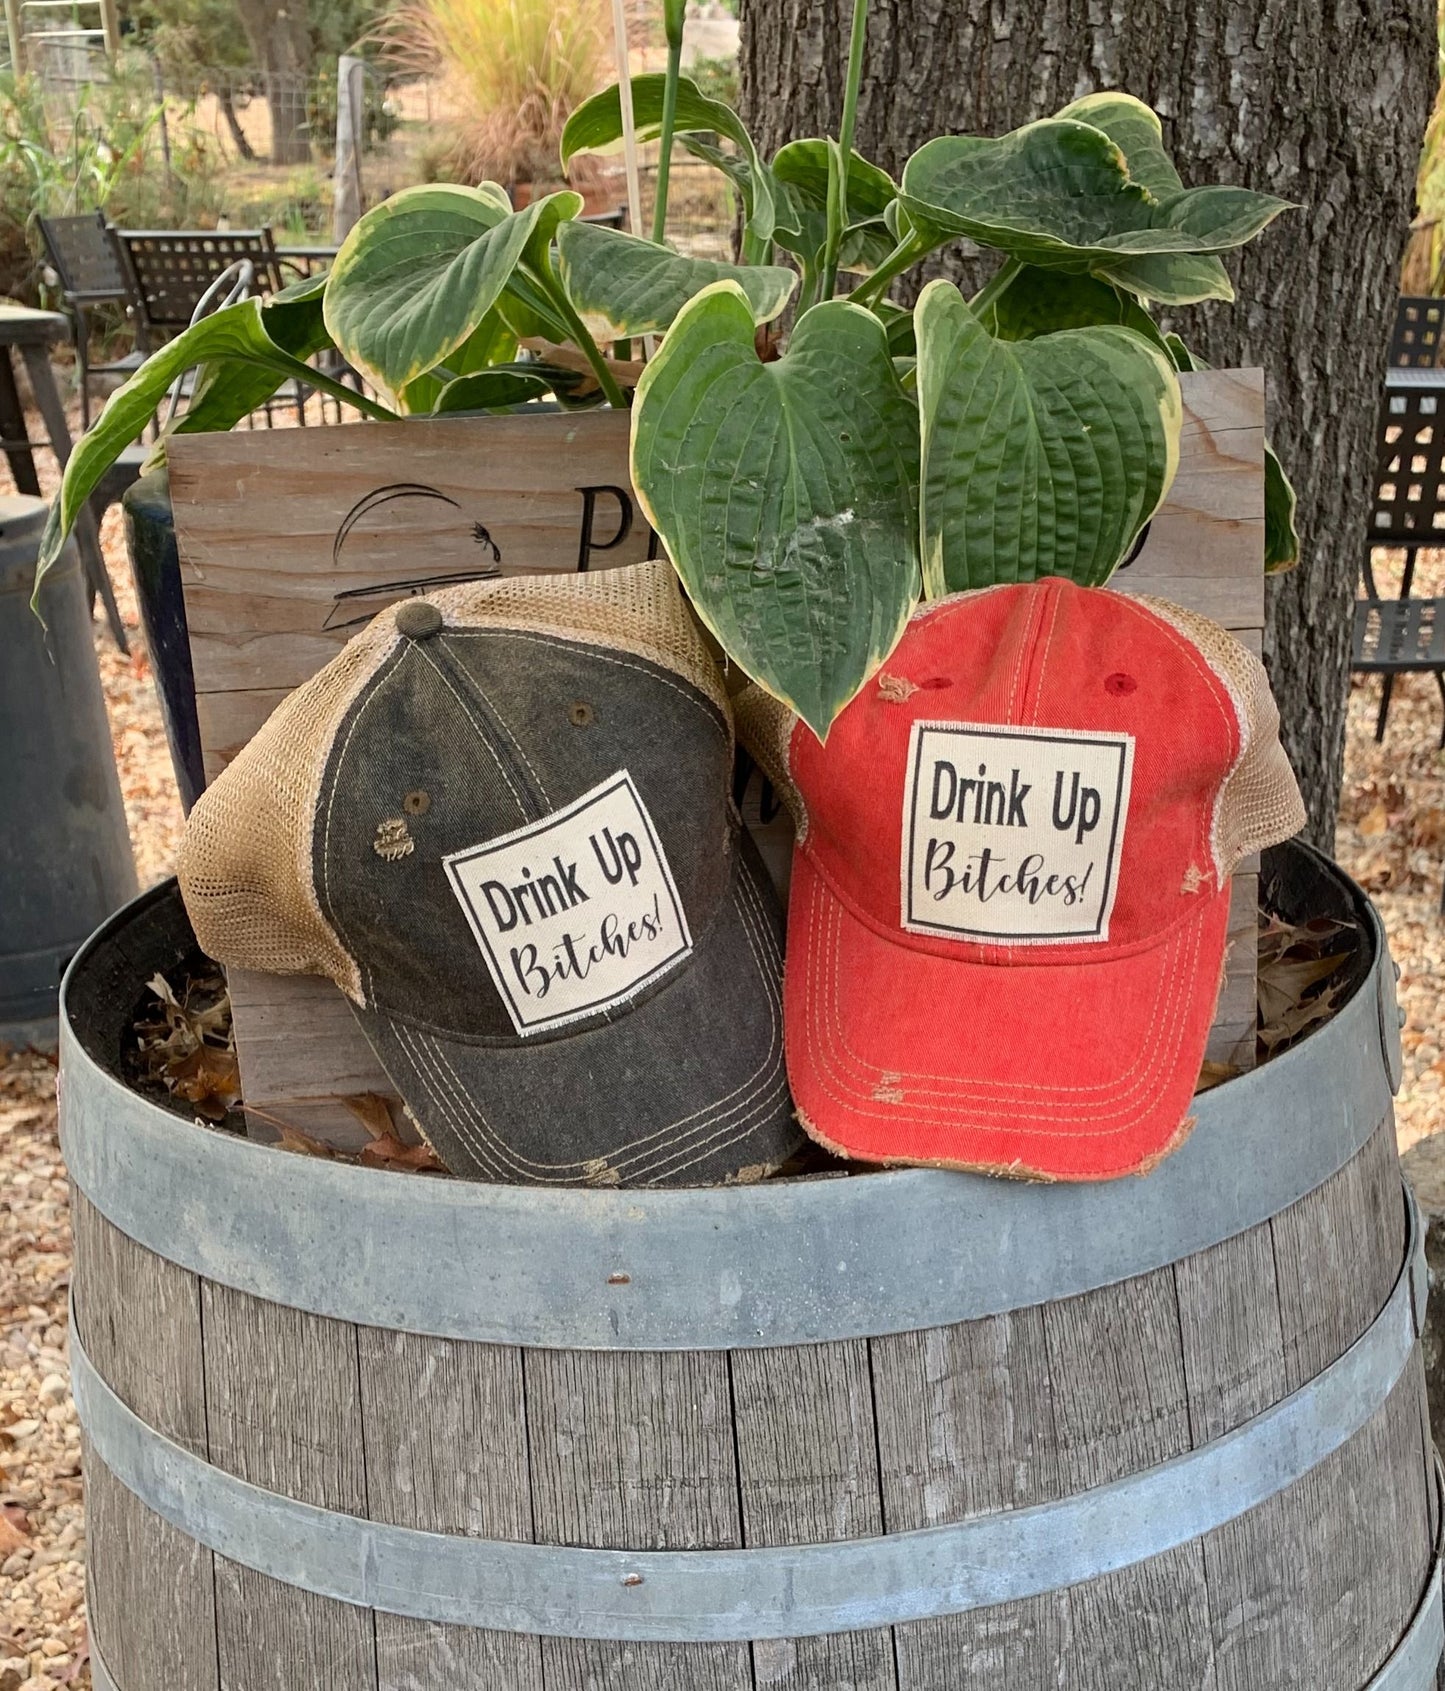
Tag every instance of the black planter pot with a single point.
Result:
(155, 564)
(65, 859)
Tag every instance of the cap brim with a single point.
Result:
(1065, 1070)
(687, 1087)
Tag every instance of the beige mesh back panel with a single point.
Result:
(1258, 805)
(246, 860)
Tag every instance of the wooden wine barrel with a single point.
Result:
(911, 1430)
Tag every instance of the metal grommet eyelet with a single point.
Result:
(417, 803)
(580, 714)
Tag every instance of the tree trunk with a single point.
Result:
(281, 45)
(1325, 104)
(227, 101)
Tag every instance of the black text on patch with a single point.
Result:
(1013, 834)
(574, 913)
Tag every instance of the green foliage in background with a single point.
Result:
(101, 152)
(814, 464)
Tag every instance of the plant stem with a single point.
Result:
(840, 157)
(669, 124)
(996, 285)
(907, 253)
(577, 329)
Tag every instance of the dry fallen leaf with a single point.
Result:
(1375, 821)
(14, 1534)
(1297, 963)
(389, 1152)
(209, 1079)
(1214, 1074)
(386, 1150)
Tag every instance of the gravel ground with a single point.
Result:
(1391, 836)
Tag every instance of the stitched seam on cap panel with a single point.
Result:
(1067, 1096)
(460, 1110)
(604, 653)
(503, 724)
(857, 1105)
(306, 845)
(380, 681)
(523, 808)
(1175, 991)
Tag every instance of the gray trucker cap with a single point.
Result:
(500, 820)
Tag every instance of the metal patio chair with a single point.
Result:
(88, 270)
(1404, 635)
(1416, 337)
(171, 271)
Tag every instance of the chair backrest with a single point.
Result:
(172, 268)
(1415, 340)
(1407, 505)
(83, 252)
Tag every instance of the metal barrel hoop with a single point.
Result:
(786, 1592)
(717, 1268)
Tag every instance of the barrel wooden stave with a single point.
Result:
(691, 1449)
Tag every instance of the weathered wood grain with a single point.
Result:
(258, 517)
(445, 1429)
(301, 1051)
(965, 1428)
(1306, 1590)
(634, 1449)
(1120, 1404)
(807, 1452)
(151, 1599)
(284, 1412)
(1205, 546)
(845, 1440)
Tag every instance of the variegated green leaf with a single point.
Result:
(1040, 457)
(1040, 302)
(624, 286)
(801, 171)
(234, 336)
(785, 492)
(489, 390)
(420, 271)
(1060, 194)
(598, 123)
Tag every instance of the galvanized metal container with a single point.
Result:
(65, 858)
(919, 1430)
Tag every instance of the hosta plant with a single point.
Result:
(815, 457)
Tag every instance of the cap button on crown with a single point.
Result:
(418, 619)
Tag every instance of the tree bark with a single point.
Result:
(1322, 103)
(281, 46)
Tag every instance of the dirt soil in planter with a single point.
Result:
(1391, 837)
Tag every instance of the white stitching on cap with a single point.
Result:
(461, 1112)
(1181, 971)
(480, 730)
(505, 725)
(1159, 1023)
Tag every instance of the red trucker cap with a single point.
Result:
(1010, 892)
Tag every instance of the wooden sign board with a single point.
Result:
(291, 539)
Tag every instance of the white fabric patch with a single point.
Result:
(576, 912)
(1013, 834)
